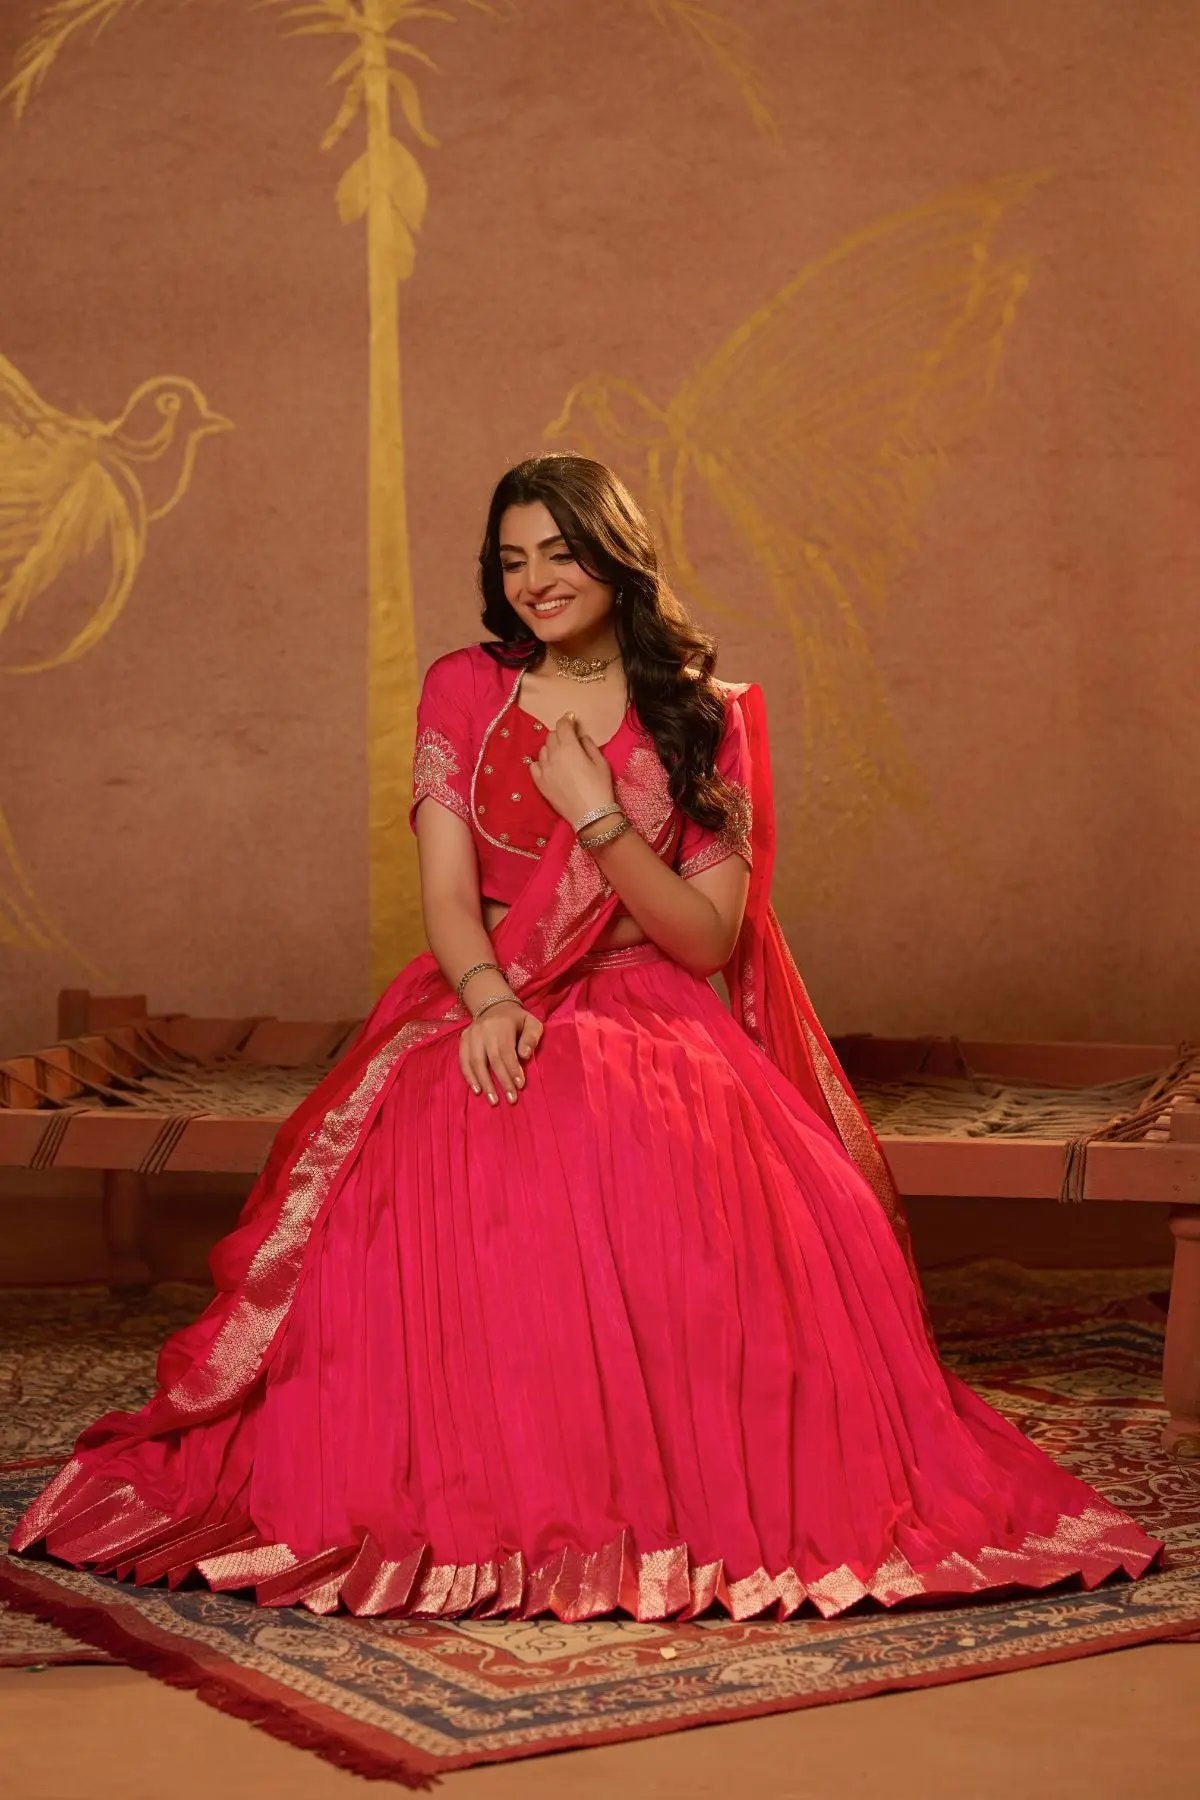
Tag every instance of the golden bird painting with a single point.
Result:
(813, 437)
(78, 495)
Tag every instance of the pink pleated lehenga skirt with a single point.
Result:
(644, 1340)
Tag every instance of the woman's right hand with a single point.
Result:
(495, 1046)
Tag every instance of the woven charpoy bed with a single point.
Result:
(134, 1094)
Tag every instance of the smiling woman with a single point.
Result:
(571, 1289)
(556, 584)
(570, 611)
(581, 680)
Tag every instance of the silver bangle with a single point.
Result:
(597, 812)
(496, 1000)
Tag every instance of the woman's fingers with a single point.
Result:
(483, 1075)
(490, 1058)
(464, 1063)
(569, 733)
(503, 1058)
(473, 1057)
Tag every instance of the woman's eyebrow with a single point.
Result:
(545, 544)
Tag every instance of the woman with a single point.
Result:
(570, 1289)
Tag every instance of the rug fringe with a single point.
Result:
(95, 1626)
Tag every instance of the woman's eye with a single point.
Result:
(510, 568)
(562, 556)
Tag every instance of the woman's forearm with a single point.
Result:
(672, 913)
(456, 935)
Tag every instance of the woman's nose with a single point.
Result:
(538, 578)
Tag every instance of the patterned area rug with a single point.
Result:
(1072, 1358)
(25, 1643)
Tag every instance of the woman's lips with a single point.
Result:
(549, 609)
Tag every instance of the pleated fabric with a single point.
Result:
(644, 1340)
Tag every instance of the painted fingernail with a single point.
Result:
(493, 1100)
(512, 1097)
(474, 1089)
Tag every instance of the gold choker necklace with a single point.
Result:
(581, 668)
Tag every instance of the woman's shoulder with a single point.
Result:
(469, 670)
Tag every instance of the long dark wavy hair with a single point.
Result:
(607, 533)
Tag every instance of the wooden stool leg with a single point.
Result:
(126, 1212)
(1181, 1363)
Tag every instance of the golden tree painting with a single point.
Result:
(78, 495)
(814, 436)
(384, 188)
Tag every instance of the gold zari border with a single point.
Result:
(105, 1525)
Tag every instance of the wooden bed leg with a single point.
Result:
(1181, 1362)
(126, 1210)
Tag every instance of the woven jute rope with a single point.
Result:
(136, 1066)
(1150, 1115)
(973, 1105)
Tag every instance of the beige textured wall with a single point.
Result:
(188, 799)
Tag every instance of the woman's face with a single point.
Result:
(543, 583)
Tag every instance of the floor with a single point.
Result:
(1111, 1727)
(1121, 1726)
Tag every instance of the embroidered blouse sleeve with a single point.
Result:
(700, 848)
(441, 766)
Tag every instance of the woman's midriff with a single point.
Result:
(620, 932)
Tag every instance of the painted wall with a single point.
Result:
(896, 302)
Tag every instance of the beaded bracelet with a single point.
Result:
(606, 837)
(475, 969)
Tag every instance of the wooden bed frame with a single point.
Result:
(1164, 1170)
(52, 1114)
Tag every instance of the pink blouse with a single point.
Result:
(473, 750)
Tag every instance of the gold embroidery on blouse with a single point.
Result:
(476, 808)
(434, 762)
(733, 839)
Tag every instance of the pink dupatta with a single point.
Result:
(769, 999)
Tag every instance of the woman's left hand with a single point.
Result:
(571, 771)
